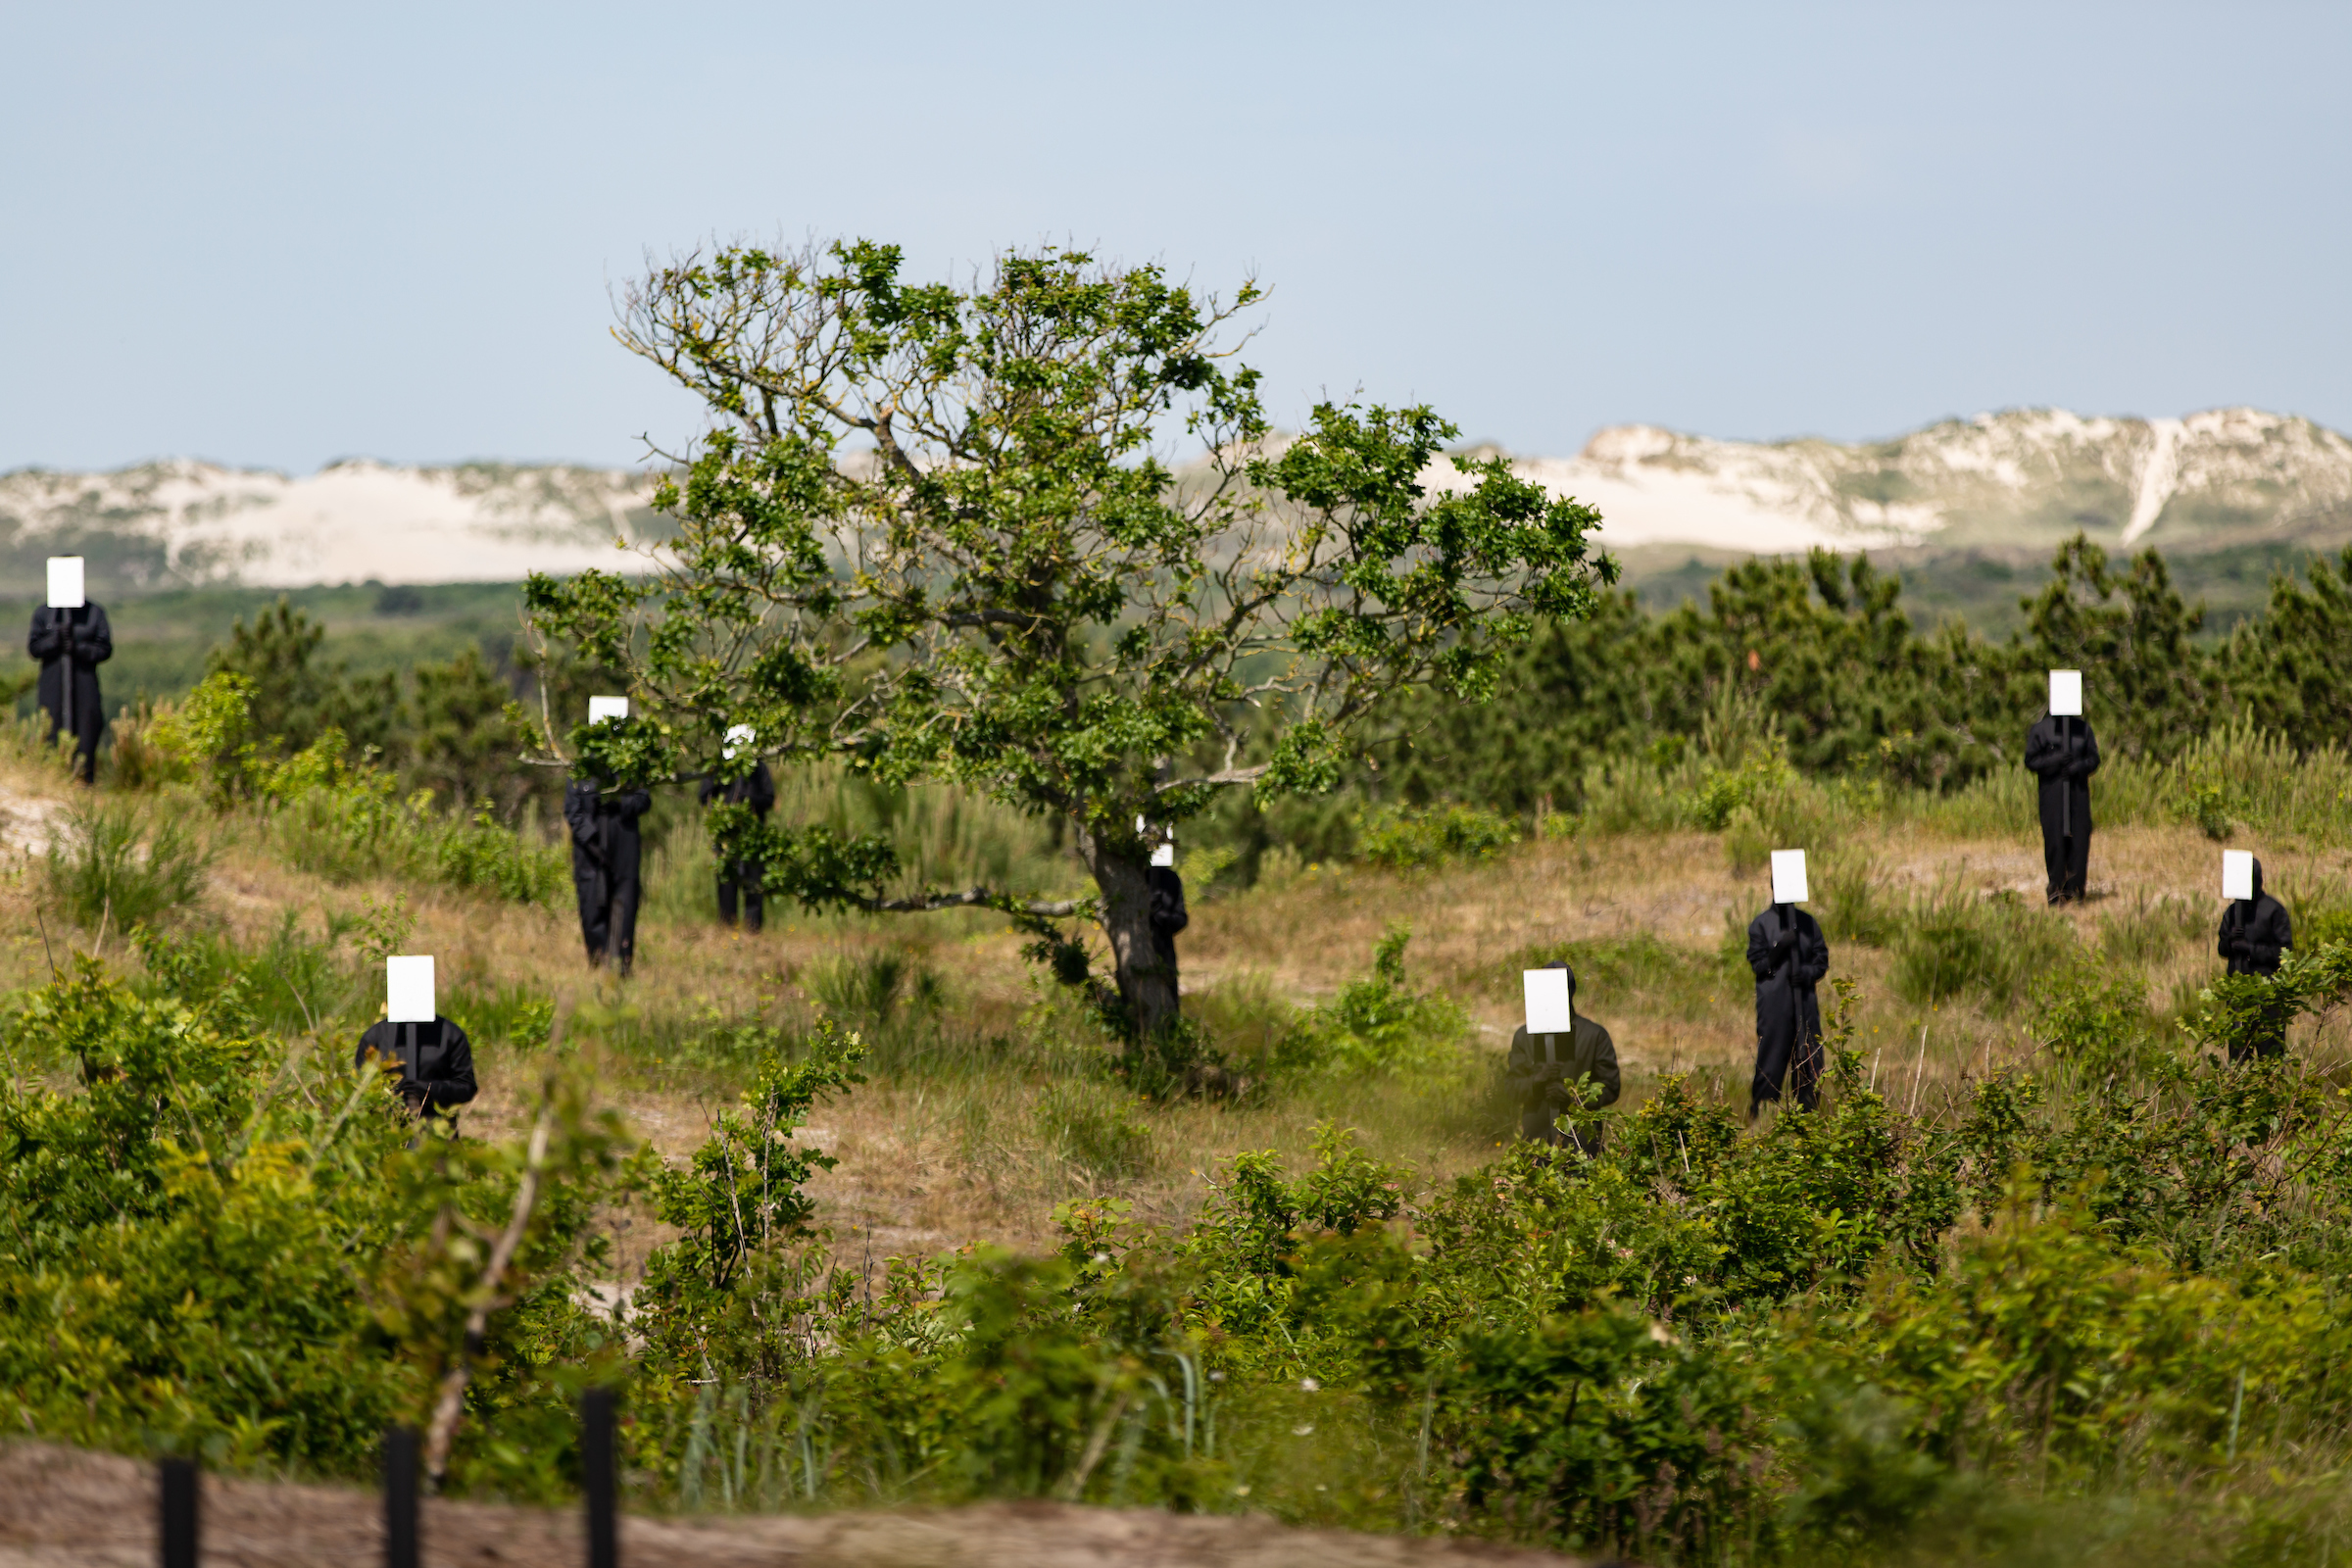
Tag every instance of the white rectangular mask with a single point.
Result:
(1165, 856)
(65, 582)
(2066, 693)
(1789, 877)
(2237, 874)
(408, 990)
(601, 709)
(1548, 1011)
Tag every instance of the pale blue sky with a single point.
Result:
(278, 235)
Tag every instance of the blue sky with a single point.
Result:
(281, 235)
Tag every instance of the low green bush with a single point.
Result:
(1402, 839)
(1378, 1022)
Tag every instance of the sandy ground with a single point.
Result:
(60, 1508)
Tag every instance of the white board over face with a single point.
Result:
(2237, 874)
(1548, 1011)
(65, 582)
(1788, 877)
(1164, 855)
(408, 989)
(601, 709)
(739, 736)
(2066, 693)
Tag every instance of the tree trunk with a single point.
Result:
(1146, 986)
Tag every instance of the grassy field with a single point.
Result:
(970, 1129)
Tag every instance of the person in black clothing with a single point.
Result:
(79, 640)
(604, 854)
(1790, 957)
(435, 1061)
(2255, 931)
(1168, 918)
(2063, 754)
(756, 790)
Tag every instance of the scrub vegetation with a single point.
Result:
(874, 1209)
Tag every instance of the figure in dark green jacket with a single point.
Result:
(1552, 1073)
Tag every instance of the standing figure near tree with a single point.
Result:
(1790, 957)
(1168, 916)
(2256, 933)
(756, 790)
(71, 645)
(2062, 751)
(606, 851)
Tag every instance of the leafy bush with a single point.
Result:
(117, 861)
(1378, 1022)
(1402, 839)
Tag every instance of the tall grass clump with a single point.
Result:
(1958, 943)
(118, 861)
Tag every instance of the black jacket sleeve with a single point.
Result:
(47, 640)
(630, 805)
(95, 643)
(375, 1040)
(2045, 749)
(2269, 933)
(579, 814)
(2087, 754)
(1759, 949)
(1812, 962)
(763, 790)
(456, 1085)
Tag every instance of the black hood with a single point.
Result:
(2256, 882)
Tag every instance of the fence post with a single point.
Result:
(400, 1498)
(603, 1474)
(180, 1513)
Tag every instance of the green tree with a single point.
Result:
(2149, 686)
(2289, 664)
(465, 736)
(298, 696)
(932, 531)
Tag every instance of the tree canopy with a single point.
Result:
(943, 533)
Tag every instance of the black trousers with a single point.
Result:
(609, 916)
(2066, 860)
(745, 880)
(1789, 1045)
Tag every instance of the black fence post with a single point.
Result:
(400, 1498)
(180, 1513)
(601, 1464)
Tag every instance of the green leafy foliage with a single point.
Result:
(1016, 595)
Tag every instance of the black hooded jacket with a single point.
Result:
(93, 644)
(2255, 931)
(604, 841)
(756, 789)
(436, 1061)
(2063, 754)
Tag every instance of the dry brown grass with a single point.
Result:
(938, 1155)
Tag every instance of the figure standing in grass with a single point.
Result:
(1168, 916)
(1549, 1073)
(2256, 932)
(70, 638)
(606, 851)
(1789, 957)
(743, 879)
(432, 1053)
(2063, 753)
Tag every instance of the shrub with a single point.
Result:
(1378, 1022)
(1402, 839)
(114, 863)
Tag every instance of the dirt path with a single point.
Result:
(63, 1508)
